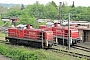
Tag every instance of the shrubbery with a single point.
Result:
(22, 53)
(1, 23)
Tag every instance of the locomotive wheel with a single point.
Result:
(12, 41)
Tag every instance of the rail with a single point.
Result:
(81, 48)
(74, 54)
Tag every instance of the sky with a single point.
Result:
(69, 2)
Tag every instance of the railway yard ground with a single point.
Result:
(2, 57)
(83, 48)
(60, 55)
(85, 44)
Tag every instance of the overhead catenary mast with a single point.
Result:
(36, 11)
(69, 31)
(60, 15)
(60, 11)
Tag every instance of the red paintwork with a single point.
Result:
(42, 26)
(58, 31)
(20, 33)
(12, 32)
(28, 26)
(74, 33)
(32, 33)
(48, 35)
(46, 27)
(56, 24)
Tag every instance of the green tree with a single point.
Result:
(22, 7)
(63, 5)
(51, 11)
(73, 5)
(26, 19)
(54, 4)
(3, 10)
(32, 10)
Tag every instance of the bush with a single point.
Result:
(1, 23)
(21, 53)
(8, 24)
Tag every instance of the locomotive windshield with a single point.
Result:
(21, 26)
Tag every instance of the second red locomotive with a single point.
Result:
(59, 32)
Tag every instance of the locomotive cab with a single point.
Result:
(21, 27)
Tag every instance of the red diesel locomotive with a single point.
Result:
(45, 36)
(59, 32)
(30, 36)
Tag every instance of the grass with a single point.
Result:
(1, 22)
(23, 53)
(2, 34)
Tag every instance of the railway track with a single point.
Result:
(70, 53)
(81, 48)
(66, 52)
